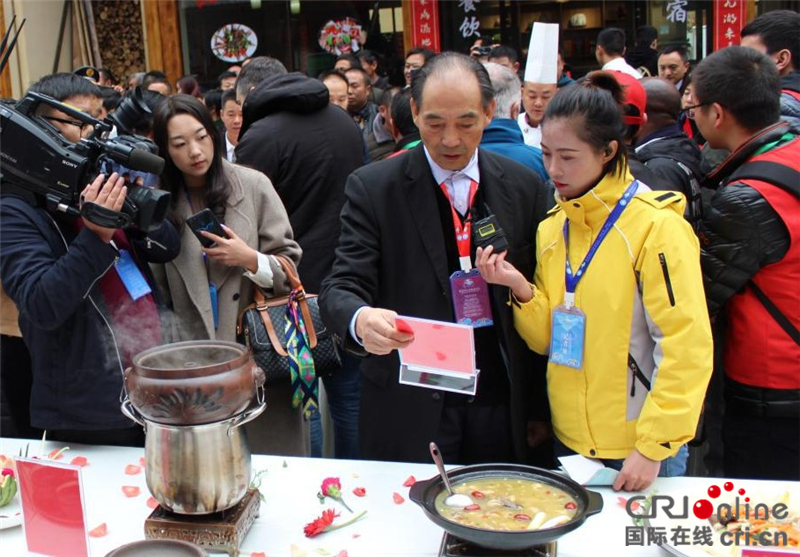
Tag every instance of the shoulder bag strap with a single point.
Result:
(294, 281)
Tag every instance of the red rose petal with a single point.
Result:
(152, 503)
(141, 461)
(55, 454)
(131, 490)
(359, 492)
(79, 461)
(132, 469)
(258, 554)
(99, 531)
(410, 481)
(342, 553)
(621, 501)
(398, 499)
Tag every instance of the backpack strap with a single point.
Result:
(776, 314)
(774, 173)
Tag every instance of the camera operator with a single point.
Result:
(86, 304)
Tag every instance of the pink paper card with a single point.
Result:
(442, 356)
(439, 345)
(52, 508)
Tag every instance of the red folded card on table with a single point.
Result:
(52, 508)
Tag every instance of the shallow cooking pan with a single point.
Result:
(424, 493)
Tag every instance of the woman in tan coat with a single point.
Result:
(208, 287)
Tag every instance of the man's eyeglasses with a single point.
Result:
(83, 126)
(688, 108)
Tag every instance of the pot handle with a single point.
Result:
(130, 412)
(417, 491)
(595, 503)
(247, 416)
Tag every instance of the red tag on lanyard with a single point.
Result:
(463, 232)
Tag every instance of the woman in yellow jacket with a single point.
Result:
(617, 298)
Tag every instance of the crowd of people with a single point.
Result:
(649, 282)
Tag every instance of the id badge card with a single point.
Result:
(131, 277)
(567, 338)
(212, 292)
(471, 299)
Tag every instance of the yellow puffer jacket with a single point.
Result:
(643, 296)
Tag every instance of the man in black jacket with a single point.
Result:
(405, 235)
(750, 241)
(665, 149)
(307, 147)
(644, 55)
(86, 304)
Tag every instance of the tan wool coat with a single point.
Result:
(256, 214)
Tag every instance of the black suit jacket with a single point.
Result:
(392, 255)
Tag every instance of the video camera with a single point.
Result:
(38, 159)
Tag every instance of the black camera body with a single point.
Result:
(37, 159)
(487, 232)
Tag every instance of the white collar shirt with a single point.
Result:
(457, 182)
(229, 149)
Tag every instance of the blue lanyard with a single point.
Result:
(572, 280)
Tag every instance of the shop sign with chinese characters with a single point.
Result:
(729, 18)
(425, 24)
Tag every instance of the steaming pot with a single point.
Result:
(197, 469)
(193, 382)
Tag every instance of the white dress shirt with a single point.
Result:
(620, 65)
(457, 182)
(229, 148)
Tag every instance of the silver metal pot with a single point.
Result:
(197, 469)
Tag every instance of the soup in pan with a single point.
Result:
(510, 504)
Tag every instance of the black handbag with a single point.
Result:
(261, 329)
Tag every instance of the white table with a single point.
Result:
(290, 486)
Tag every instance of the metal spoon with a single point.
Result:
(454, 499)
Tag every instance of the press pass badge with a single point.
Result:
(568, 334)
(567, 337)
(131, 277)
(471, 299)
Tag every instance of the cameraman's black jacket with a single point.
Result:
(51, 273)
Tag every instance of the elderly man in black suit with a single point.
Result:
(397, 253)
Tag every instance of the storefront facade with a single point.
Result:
(191, 36)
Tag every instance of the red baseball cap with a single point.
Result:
(635, 95)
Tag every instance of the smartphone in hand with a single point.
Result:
(207, 221)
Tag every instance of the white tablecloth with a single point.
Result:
(290, 486)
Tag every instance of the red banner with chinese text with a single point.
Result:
(425, 24)
(729, 18)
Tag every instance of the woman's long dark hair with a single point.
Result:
(595, 101)
(216, 189)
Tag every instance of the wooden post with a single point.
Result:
(407, 39)
(163, 37)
